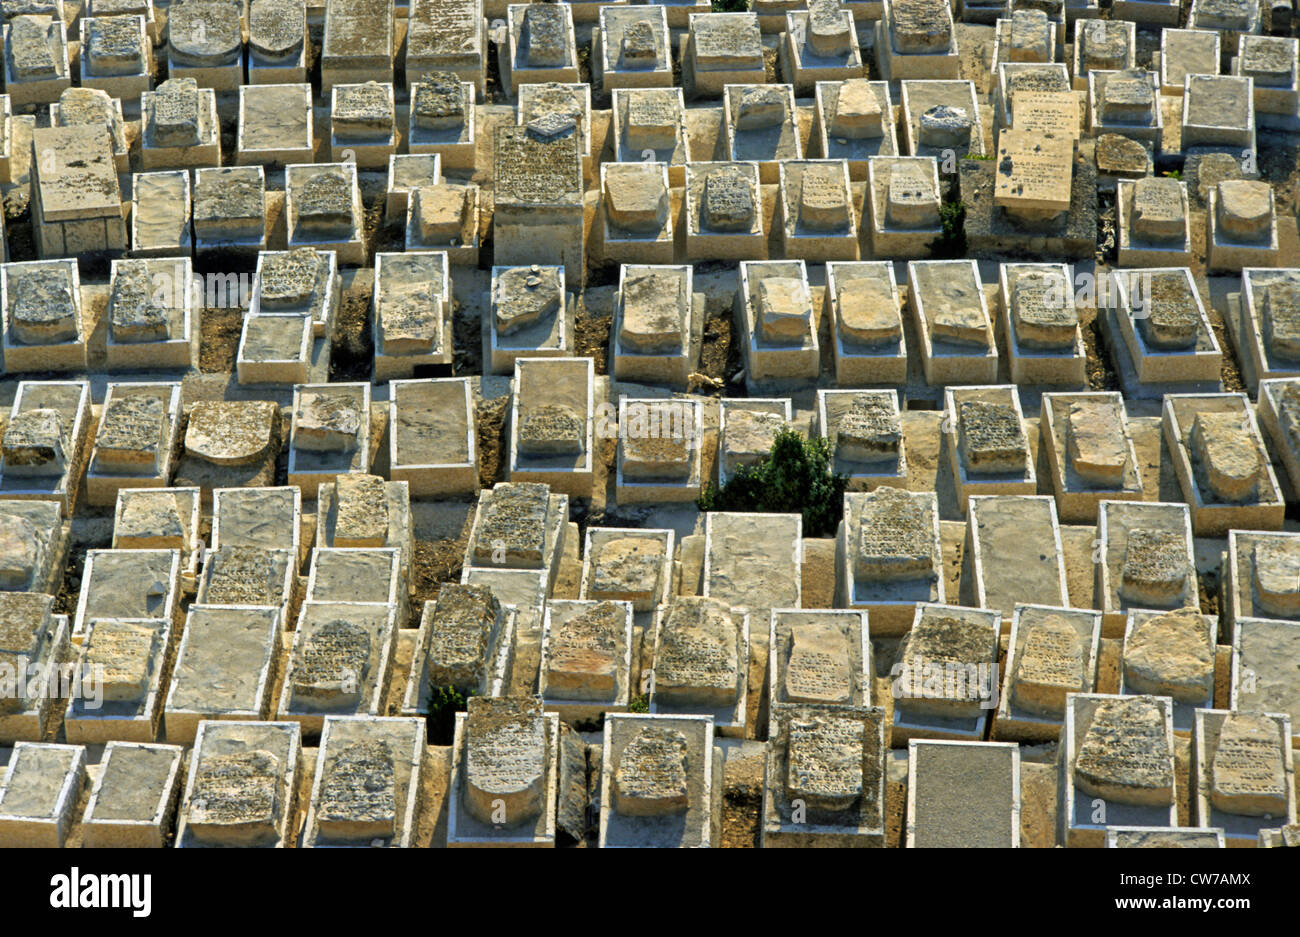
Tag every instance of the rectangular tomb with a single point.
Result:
(1052, 652)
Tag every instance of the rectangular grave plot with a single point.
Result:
(128, 584)
(133, 799)
(978, 781)
(41, 787)
(356, 574)
(1052, 652)
(1015, 547)
(1239, 770)
(433, 444)
(1261, 682)
(1147, 560)
(866, 435)
(819, 658)
(1089, 451)
(628, 565)
(586, 655)
(551, 423)
(122, 663)
(44, 459)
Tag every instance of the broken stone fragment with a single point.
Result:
(442, 213)
(551, 430)
(327, 423)
(943, 125)
(784, 310)
(650, 779)
(1122, 155)
(35, 444)
(1170, 654)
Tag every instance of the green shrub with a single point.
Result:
(639, 704)
(444, 703)
(730, 6)
(952, 221)
(796, 477)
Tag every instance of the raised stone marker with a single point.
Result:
(904, 197)
(632, 48)
(1241, 226)
(701, 654)
(946, 683)
(820, 44)
(1033, 175)
(229, 444)
(1041, 322)
(941, 119)
(161, 518)
(659, 450)
(76, 198)
(275, 125)
(116, 55)
(774, 304)
(122, 664)
(1272, 63)
(433, 443)
(518, 526)
(1227, 16)
(951, 314)
(1027, 36)
(963, 795)
(81, 106)
(277, 41)
(41, 788)
(650, 123)
(628, 565)
(133, 797)
(818, 221)
(722, 49)
(180, 125)
(447, 36)
(753, 561)
(826, 777)
(43, 326)
(851, 121)
(890, 556)
(552, 416)
(1089, 452)
(1154, 223)
(819, 658)
(359, 42)
(135, 443)
(205, 43)
(1102, 45)
(747, 429)
(538, 195)
(987, 442)
(1117, 766)
(1165, 341)
(442, 119)
(760, 123)
(241, 787)
(866, 434)
(1241, 774)
(723, 213)
(658, 325)
(36, 59)
(30, 636)
(504, 774)
(541, 46)
(444, 217)
(330, 435)
(1170, 654)
(1052, 652)
(586, 658)
(1146, 560)
(638, 223)
(1126, 102)
(466, 642)
(916, 39)
(43, 450)
(152, 320)
(323, 209)
(359, 510)
(1260, 577)
(1222, 466)
(230, 209)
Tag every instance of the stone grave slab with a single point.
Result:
(940, 118)
(853, 121)
(1186, 52)
(433, 443)
(1165, 343)
(1259, 577)
(1227, 16)
(538, 185)
(133, 799)
(224, 668)
(888, 556)
(1279, 414)
(1026, 78)
(679, 12)
(820, 44)
(862, 305)
(465, 641)
(444, 218)
(181, 129)
(358, 574)
(650, 123)
(753, 561)
(360, 42)
(301, 280)
(632, 48)
(205, 43)
(952, 321)
(865, 431)
(367, 783)
(447, 36)
(241, 787)
(1027, 35)
(1127, 103)
(504, 774)
(658, 776)
(541, 46)
(1051, 653)
(127, 584)
(76, 196)
(36, 59)
(33, 545)
(1103, 45)
(1014, 546)
(136, 440)
(42, 784)
(518, 525)
(1117, 766)
(701, 650)
(818, 221)
(323, 208)
(357, 510)
(330, 434)
(443, 119)
(152, 317)
(903, 196)
(1259, 322)
(747, 429)
(230, 444)
(1272, 63)
(1089, 452)
(1154, 222)
(275, 124)
(78, 107)
(44, 328)
(1050, 113)
(1222, 466)
(552, 410)
(31, 637)
(275, 349)
(43, 453)
(277, 42)
(230, 209)
(658, 325)
(916, 39)
(1242, 770)
(819, 658)
(1148, 12)
(407, 172)
(1044, 341)
(1146, 560)
(1218, 110)
(269, 518)
(987, 442)
(122, 662)
(659, 455)
(1262, 651)
(637, 222)
(1170, 654)
(724, 212)
(633, 565)
(116, 55)
(160, 214)
(721, 49)
(945, 674)
(161, 519)
(773, 307)
(963, 795)
(586, 658)
(760, 124)
(1033, 176)
(825, 777)
(1241, 226)
(235, 575)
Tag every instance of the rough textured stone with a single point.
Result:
(758, 107)
(1225, 456)
(1049, 665)
(506, 756)
(858, 115)
(462, 630)
(362, 513)
(1097, 446)
(870, 431)
(921, 26)
(438, 102)
(1045, 317)
(358, 792)
(651, 776)
(550, 430)
(131, 433)
(784, 310)
(276, 28)
(728, 203)
(1155, 568)
(992, 438)
(42, 307)
(236, 798)
(525, 296)
(895, 538)
(120, 654)
(1244, 209)
(1276, 563)
(653, 313)
(231, 432)
(1125, 756)
(697, 660)
(586, 653)
(512, 526)
(868, 314)
(1158, 211)
(327, 422)
(1248, 771)
(1170, 655)
(35, 444)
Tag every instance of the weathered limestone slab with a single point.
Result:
(127, 584)
(817, 217)
(36, 59)
(152, 317)
(241, 787)
(1218, 110)
(1148, 12)
(121, 662)
(721, 49)
(1154, 223)
(229, 444)
(987, 442)
(637, 222)
(133, 799)
(538, 186)
(1014, 545)
(367, 783)
(852, 120)
(952, 320)
(1027, 35)
(963, 795)
(234, 575)
(224, 668)
(275, 124)
(760, 125)
(44, 327)
(659, 450)
(586, 658)
(1273, 62)
(275, 349)
(205, 43)
(773, 307)
(161, 518)
(903, 199)
(1259, 578)
(1025, 78)
(518, 526)
(1127, 103)
(340, 662)
(116, 55)
(181, 129)
(747, 428)
(1177, 837)
(945, 674)
(866, 435)
(552, 413)
(541, 46)
(1170, 654)
(269, 518)
(941, 119)
(1223, 469)
(360, 42)
(447, 36)
(33, 542)
(916, 39)
(31, 638)
(42, 784)
(43, 453)
(1089, 452)
(407, 172)
(1186, 52)
(753, 561)
(160, 214)
(323, 208)
(1044, 340)
(1146, 560)
(230, 209)
(136, 441)
(358, 574)
(1265, 320)
(632, 48)
(1052, 652)
(820, 44)
(862, 305)
(724, 212)
(1102, 45)
(888, 556)
(658, 325)
(1279, 414)
(358, 510)
(1241, 226)
(433, 443)
(444, 217)
(442, 119)
(1262, 651)
(632, 565)
(819, 658)
(658, 782)
(504, 774)
(301, 280)
(330, 434)
(81, 106)
(1241, 766)
(826, 777)
(1163, 341)
(701, 649)
(650, 124)
(1117, 766)
(277, 42)
(1229, 17)
(465, 642)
